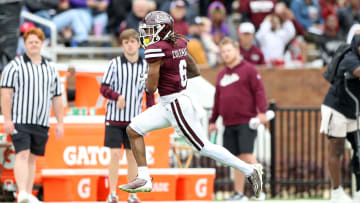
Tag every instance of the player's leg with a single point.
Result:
(185, 121)
(132, 168)
(152, 119)
(132, 172)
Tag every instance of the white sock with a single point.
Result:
(223, 156)
(143, 172)
(113, 193)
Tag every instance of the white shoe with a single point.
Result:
(356, 197)
(112, 198)
(137, 185)
(23, 197)
(34, 199)
(262, 197)
(237, 197)
(339, 196)
(255, 179)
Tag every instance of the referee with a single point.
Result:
(123, 85)
(29, 85)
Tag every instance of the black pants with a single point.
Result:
(9, 31)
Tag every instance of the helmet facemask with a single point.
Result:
(149, 34)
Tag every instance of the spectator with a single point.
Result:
(119, 110)
(331, 39)
(296, 54)
(195, 46)
(328, 7)
(308, 13)
(211, 48)
(273, 38)
(248, 49)
(348, 15)
(45, 9)
(33, 79)
(355, 29)
(139, 10)
(82, 16)
(178, 12)
(217, 15)
(117, 12)
(239, 96)
(9, 32)
(285, 14)
(255, 11)
(338, 121)
(191, 8)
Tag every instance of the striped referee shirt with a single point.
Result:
(126, 79)
(34, 87)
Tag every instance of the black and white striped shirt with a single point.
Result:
(128, 80)
(34, 87)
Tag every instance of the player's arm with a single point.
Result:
(153, 76)
(192, 69)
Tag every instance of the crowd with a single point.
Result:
(281, 33)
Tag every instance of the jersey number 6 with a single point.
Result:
(182, 72)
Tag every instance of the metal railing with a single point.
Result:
(55, 49)
(299, 155)
(294, 156)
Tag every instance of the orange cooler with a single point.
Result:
(195, 184)
(70, 184)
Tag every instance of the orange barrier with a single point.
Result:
(87, 92)
(82, 146)
(92, 184)
(195, 184)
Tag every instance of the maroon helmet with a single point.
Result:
(157, 24)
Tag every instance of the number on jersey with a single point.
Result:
(182, 72)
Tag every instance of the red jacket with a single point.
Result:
(239, 95)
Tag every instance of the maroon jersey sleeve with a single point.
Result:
(154, 52)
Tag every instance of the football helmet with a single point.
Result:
(156, 26)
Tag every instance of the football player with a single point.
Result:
(170, 66)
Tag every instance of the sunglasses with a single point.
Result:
(216, 10)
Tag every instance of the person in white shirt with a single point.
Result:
(273, 38)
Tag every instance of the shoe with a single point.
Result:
(33, 199)
(23, 197)
(255, 179)
(137, 185)
(356, 197)
(133, 199)
(262, 197)
(339, 196)
(237, 197)
(112, 198)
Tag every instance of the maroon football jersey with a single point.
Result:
(173, 69)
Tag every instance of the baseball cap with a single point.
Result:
(26, 26)
(177, 3)
(216, 5)
(246, 28)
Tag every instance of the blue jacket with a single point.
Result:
(301, 12)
